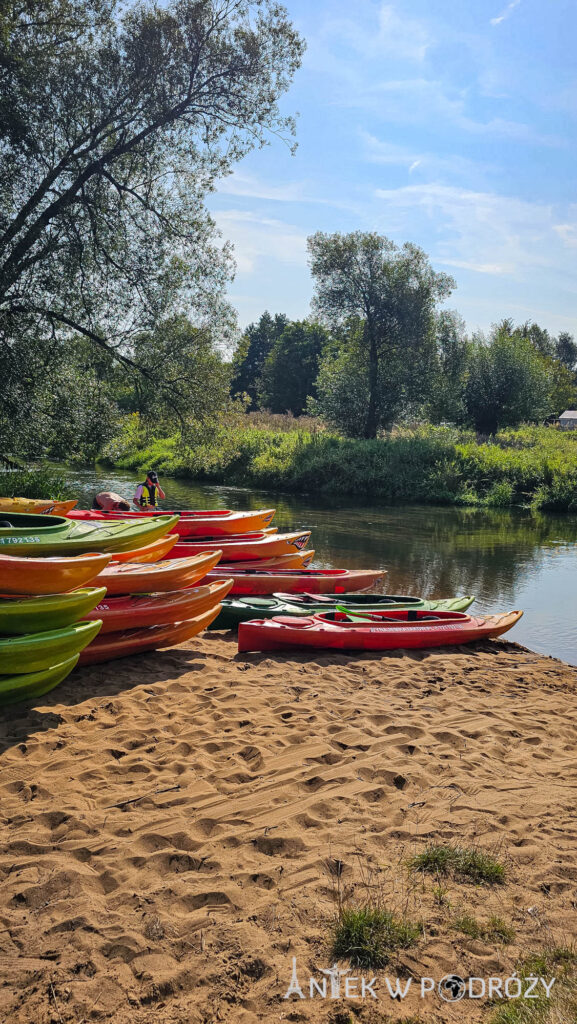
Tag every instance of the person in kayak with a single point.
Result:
(148, 493)
(108, 501)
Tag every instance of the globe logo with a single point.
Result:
(451, 988)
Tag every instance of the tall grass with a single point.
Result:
(529, 466)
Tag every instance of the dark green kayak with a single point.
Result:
(34, 684)
(243, 609)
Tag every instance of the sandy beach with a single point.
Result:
(176, 828)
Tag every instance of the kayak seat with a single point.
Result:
(291, 620)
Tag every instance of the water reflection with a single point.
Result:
(509, 559)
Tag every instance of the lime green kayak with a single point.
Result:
(34, 684)
(38, 651)
(242, 609)
(22, 534)
(22, 615)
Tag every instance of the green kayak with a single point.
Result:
(242, 609)
(22, 534)
(39, 651)
(34, 684)
(22, 615)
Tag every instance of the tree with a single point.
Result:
(392, 292)
(566, 350)
(291, 368)
(508, 382)
(250, 356)
(116, 119)
(447, 382)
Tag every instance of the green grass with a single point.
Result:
(368, 936)
(561, 1008)
(493, 930)
(35, 483)
(470, 865)
(531, 466)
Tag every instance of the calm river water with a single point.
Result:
(508, 559)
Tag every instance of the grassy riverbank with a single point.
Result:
(530, 466)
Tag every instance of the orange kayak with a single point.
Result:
(151, 553)
(39, 506)
(138, 610)
(212, 523)
(297, 581)
(148, 638)
(49, 575)
(172, 574)
(248, 547)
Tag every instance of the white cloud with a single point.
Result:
(480, 231)
(393, 35)
(378, 151)
(506, 12)
(257, 239)
(239, 184)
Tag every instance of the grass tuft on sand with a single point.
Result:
(493, 930)
(462, 863)
(367, 936)
(559, 962)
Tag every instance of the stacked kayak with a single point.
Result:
(149, 638)
(48, 575)
(243, 609)
(23, 534)
(297, 581)
(32, 664)
(247, 546)
(379, 631)
(213, 523)
(21, 615)
(27, 686)
(132, 611)
(170, 574)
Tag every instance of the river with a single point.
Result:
(508, 559)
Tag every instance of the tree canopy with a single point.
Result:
(116, 119)
(391, 292)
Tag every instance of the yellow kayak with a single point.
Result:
(39, 506)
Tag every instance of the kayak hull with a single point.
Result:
(297, 560)
(150, 552)
(318, 603)
(49, 575)
(43, 506)
(19, 616)
(212, 523)
(170, 574)
(297, 581)
(38, 651)
(243, 609)
(30, 685)
(136, 611)
(254, 546)
(56, 535)
(150, 638)
(316, 632)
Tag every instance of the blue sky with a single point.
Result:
(449, 123)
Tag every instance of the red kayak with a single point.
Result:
(380, 631)
(212, 523)
(162, 609)
(245, 548)
(297, 581)
(148, 638)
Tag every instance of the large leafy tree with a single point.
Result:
(291, 368)
(116, 119)
(447, 380)
(392, 291)
(508, 381)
